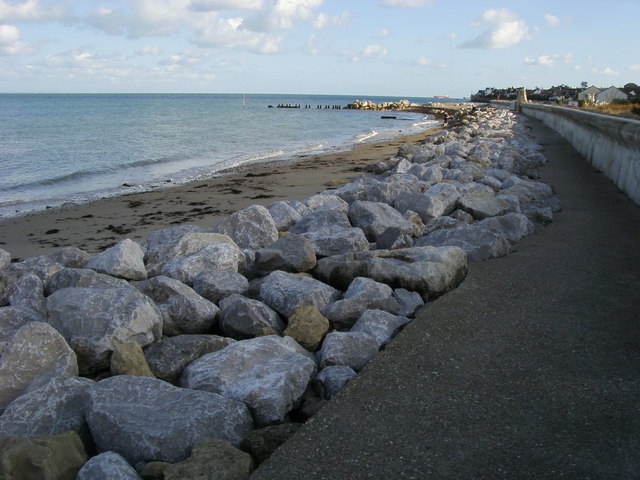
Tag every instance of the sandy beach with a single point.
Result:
(98, 225)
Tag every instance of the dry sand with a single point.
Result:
(100, 224)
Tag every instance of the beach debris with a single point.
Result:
(252, 317)
(269, 374)
(145, 419)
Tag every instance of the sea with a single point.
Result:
(58, 149)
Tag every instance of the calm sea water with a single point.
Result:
(58, 148)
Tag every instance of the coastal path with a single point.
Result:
(529, 370)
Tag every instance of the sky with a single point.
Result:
(417, 48)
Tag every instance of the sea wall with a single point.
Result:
(610, 144)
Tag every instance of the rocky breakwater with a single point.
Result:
(201, 351)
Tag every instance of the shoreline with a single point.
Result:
(99, 224)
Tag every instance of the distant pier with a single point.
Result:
(318, 107)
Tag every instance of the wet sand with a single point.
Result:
(100, 224)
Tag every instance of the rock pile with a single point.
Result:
(201, 342)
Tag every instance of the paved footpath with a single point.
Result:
(529, 370)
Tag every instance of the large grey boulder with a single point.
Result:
(430, 271)
(95, 320)
(330, 380)
(108, 465)
(381, 325)
(123, 260)
(479, 241)
(328, 202)
(160, 243)
(320, 219)
(409, 302)
(48, 407)
(214, 256)
(374, 218)
(36, 352)
(5, 259)
(284, 292)
(145, 419)
(12, 318)
(270, 374)
(183, 310)
(214, 285)
(514, 225)
(251, 227)
(291, 253)
(247, 318)
(284, 215)
(363, 294)
(353, 349)
(483, 204)
(80, 277)
(527, 191)
(27, 291)
(169, 357)
(441, 200)
(335, 239)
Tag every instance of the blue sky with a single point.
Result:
(377, 47)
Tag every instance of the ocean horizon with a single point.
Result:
(59, 148)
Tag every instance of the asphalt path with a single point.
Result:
(529, 370)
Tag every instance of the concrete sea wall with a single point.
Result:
(611, 144)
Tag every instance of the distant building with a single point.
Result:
(610, 94)
(589, 91)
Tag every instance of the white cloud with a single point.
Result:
(635, 68)
(552, 20)
(217, 5)
(148, 51)
(542, 60)
(424, 61)
(550, 60)
(407, 3)
(382, 33)
(372, 52)
(282, 15)
(10, 43)
(322, 20)
(227, 33)
(605, 71)
(504, 30)
(27, 11)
